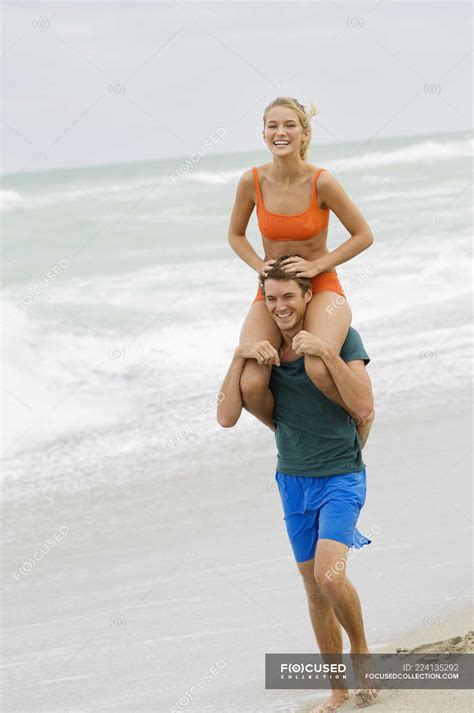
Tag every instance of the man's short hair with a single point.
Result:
(278, 273)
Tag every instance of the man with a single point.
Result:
(320, 473)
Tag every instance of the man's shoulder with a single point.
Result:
(352, 337)
(353, 347)
(352, 332)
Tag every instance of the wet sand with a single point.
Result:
(163, 576)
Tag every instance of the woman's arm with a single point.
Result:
(239, 220)
(332, 195)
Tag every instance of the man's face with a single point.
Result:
(285, 302)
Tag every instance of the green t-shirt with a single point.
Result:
(314, 435)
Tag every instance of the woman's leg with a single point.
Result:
(257, 397)
(331, 325)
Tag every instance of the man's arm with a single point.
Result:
(354, 385)
(363, 423)
(230, 407)
(352, 382)
(351, 379)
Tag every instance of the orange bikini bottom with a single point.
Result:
(325, 281)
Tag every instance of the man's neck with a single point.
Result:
(286, 350)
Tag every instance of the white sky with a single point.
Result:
(92, 83)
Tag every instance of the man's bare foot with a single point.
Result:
(363, 665)
(336, 699)
(365, 697)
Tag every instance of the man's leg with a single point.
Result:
(327, 630)
(326, 626)
(330, 575)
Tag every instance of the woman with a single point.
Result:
(282, 191)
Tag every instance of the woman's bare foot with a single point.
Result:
(365, 697)
(336, 699)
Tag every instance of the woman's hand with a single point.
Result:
(300, 266)
(263, 352)
(266, 267)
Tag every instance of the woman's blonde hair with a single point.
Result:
(303, 115)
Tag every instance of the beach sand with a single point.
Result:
(429, 701)
(161, 575)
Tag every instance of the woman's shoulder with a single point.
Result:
(261, 170)
(246, 185)
(320, 170)
(247, 178)
(247, 175)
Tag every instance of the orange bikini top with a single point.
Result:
(299, 226)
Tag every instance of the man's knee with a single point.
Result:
(254, 380)
(330, 581)
(312, 589)
(318, 372)
(316, 597)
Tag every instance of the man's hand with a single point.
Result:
(300, 267)
(306, 343)
(263, 352)
(363, 426)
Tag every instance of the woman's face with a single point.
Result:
(283, 132)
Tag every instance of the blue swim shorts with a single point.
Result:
(326, 507)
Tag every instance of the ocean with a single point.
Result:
(144, 546)
(122, 300)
